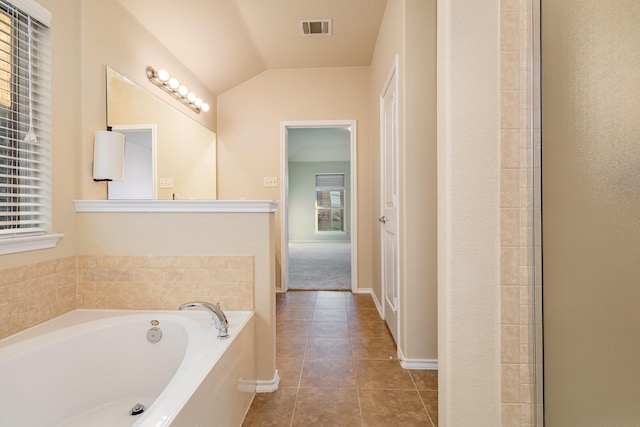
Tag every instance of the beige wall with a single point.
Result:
(135, 236)
(468, 212)
(249, 119)
(128, 48)
(418, 194)
(409, 30)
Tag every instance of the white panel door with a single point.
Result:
(389, 218)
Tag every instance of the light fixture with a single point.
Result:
(163, 75)
(172, 86)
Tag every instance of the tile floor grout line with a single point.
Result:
(295, 401)
(353, 361)
(425, 406)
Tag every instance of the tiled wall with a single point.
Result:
(35, 293)
(517, 340)
(157, 282)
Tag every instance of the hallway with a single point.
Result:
(332, 352)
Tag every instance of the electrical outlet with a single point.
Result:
(166, 182)
(270, 181)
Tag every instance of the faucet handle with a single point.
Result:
(224, 316)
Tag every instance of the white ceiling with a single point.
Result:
(226, 42)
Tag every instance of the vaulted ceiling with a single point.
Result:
(226, 42)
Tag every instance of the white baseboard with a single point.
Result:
(424, 364)
(268, 386)
(373, 296)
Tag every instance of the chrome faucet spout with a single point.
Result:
(218, 316)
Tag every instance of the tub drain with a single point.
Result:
(137, 409)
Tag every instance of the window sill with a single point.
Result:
(148, 206)
(10, 245)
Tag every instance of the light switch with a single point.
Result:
(166, 182)
(270, 181)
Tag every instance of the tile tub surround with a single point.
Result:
(36, 293)
(517, 337)
(164, 282)
(332, 355)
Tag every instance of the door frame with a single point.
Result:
(284, 194)
(153, 129)
(392, 77)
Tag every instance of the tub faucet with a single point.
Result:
(222, 324)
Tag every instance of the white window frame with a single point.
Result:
(344, 207)
(39, 18)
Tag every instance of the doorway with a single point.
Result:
(318, 220)
(139, 164)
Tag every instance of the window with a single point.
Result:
(330, 202)
(25, 137)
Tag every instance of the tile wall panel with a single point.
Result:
(517, 342)
(164, 282)
(39, 292)
(36, 293)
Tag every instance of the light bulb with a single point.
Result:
(198, 102)
(173, 83)
(163, 75)
(205, 107)
(182, 90)
(191, 96)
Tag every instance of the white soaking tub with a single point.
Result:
(91, 367)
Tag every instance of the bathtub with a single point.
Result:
(90, 367)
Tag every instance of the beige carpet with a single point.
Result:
(324, 266)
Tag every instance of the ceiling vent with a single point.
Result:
(316, 27)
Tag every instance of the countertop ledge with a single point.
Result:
(225, 206)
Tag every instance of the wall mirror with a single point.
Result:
(168, 155)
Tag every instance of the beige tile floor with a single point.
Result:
(332, 352)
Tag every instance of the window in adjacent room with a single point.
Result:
(25, 137)
(330, 202)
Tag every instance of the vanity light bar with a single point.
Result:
(172, 86)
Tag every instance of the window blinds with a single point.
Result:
(330, 180)
(24, 120)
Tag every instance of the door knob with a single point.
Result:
(383, 219)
